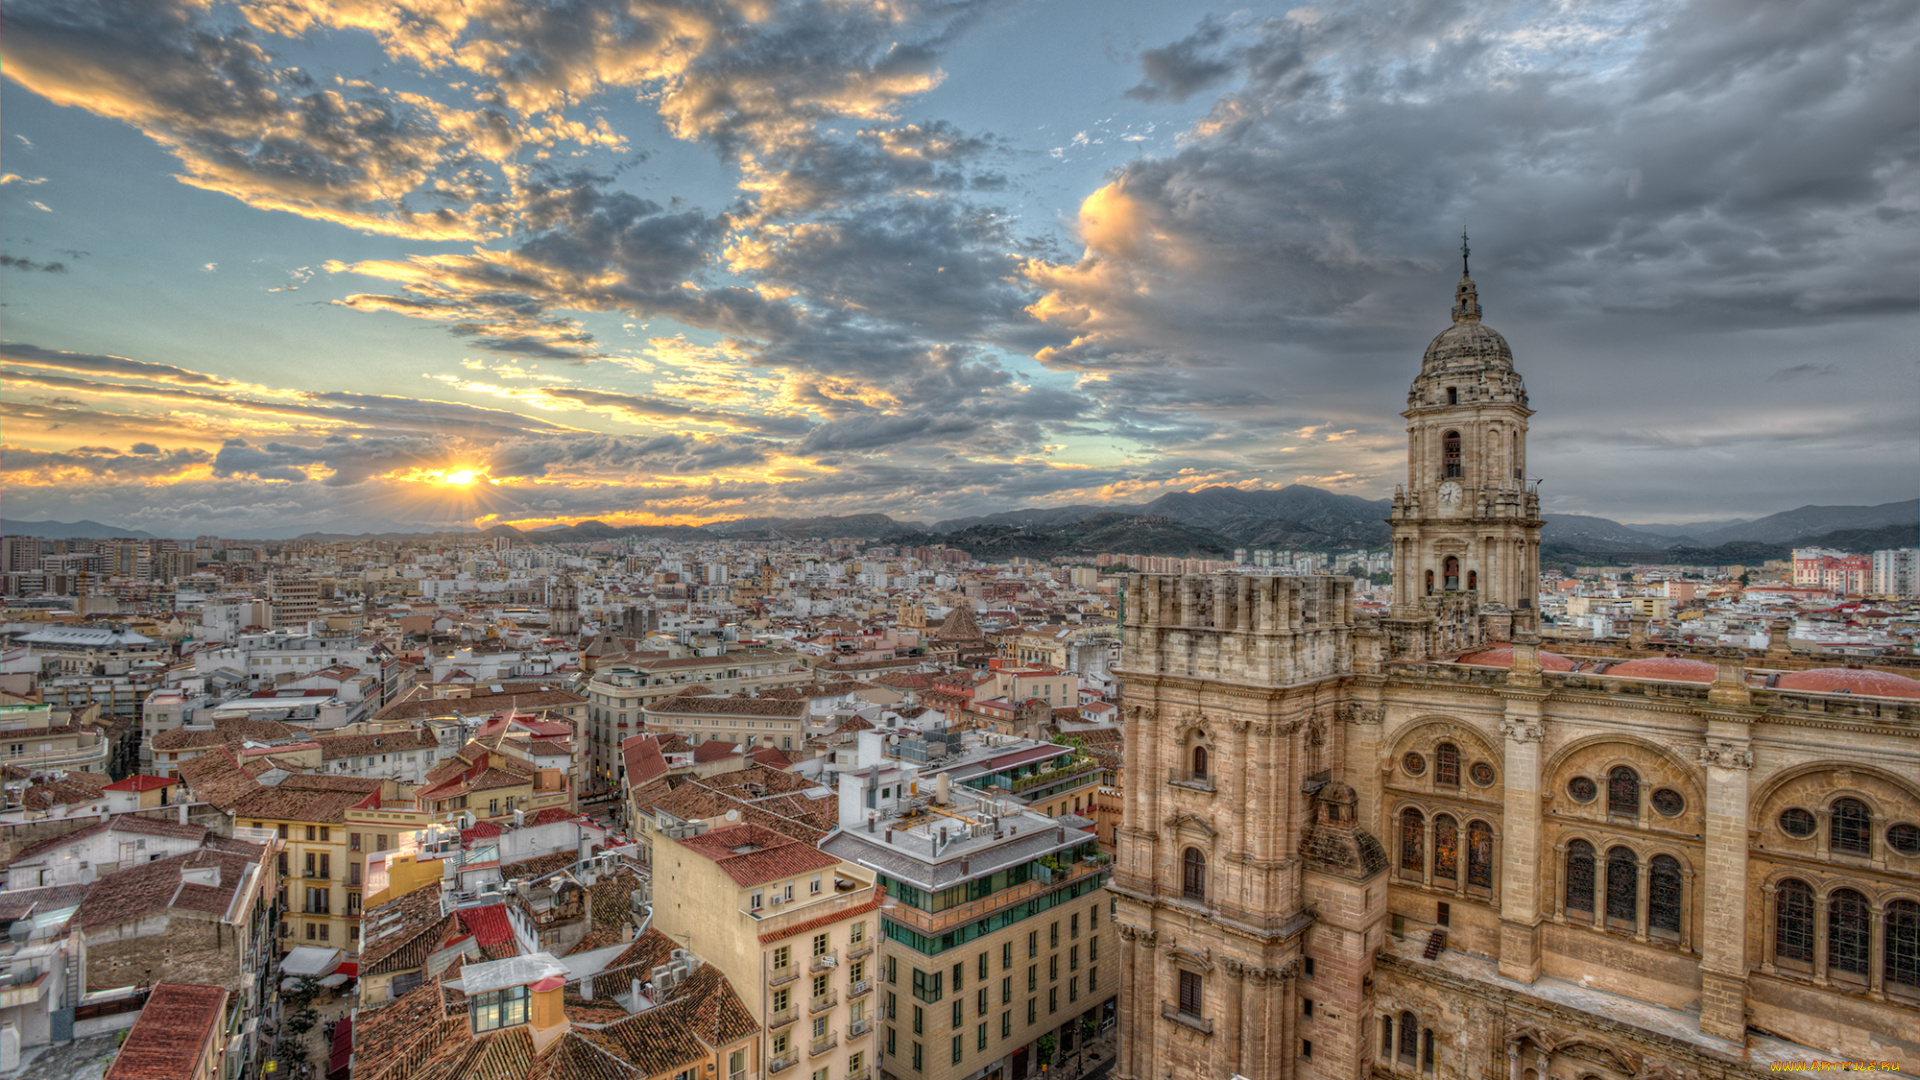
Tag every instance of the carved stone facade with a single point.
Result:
(1356, 846)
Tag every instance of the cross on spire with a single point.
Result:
(1464, 251)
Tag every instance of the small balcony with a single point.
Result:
(860, 989)
(825, 961)
(783, 975)
(781, 1064)
(822, 1004)
(1187, 779)
(863, 1074)
(859, 949)
(782, 1018)
(1205, 1027)
(823, 1044)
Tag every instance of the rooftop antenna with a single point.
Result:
(1464, 251)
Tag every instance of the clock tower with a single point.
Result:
(1466, 527)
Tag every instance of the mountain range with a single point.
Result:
(1211, 522)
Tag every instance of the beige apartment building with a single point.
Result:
(793, 928)
(619, 691)
(705, 718)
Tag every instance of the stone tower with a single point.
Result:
(1466, 527)
(564, 605)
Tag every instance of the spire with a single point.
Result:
(1466, 300)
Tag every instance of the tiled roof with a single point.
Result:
(350, 746)
(714, 750)
(530, 699)
(403, 931)
(488, 924)
(287, 803)
(755, 854)
(172, 1033)
(139, 782)
(216, 777)
(126, 823)
(154, 887)
(74, 787)
(660, 1040)
(715, 1010)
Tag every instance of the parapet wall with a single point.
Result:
(1258, 630)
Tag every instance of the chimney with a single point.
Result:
(547, 1014)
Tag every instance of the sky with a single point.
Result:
(354, 265)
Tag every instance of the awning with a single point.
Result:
(311, 961)
(333, 980)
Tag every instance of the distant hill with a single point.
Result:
(1581, 531)
(71, 530)
(857, 526)
(1132, 534)
(1691, 528)
(1810, 521)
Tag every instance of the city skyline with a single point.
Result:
(348, 266)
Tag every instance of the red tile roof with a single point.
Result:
(754, 854)
(173, 1032)
(488, 925)
(142, 783)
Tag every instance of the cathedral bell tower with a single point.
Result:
(1466, 527)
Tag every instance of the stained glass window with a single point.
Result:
(1582, 788)
(1409, 1037)
(1446, 764)
(1580, 876)
(1482, 773)
(1668, 801)
(1797, 822)
(1663, 894)
(1852, 827)
(1903, 943)
(1849, 932)
(1623, 886)
(1480, 854)
(1413, 828)
(1904, 838)
(1623, 791)
(1793, 922)
(1446, 847)
(1414, 764)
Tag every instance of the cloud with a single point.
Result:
(16, 178)
(1182, 69)
(97, 364)
(15, 263)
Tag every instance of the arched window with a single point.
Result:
(1446, 847)
(1623, 886)
(1426, 1050)
(1519, 467)
(1453, 395)
(1663, 895)
(1409, 1037)
(1849, 933)
(1480, 854)
(1580, 876)
(1450, 454)
(1473, 579)
(1386, 1037)
(1199, 763)
(1429, 583)
(1193, 874)
(1446, 765)
(1453, 572)
(1623, 791)
(1793, 922)
(1903, 943)
(1413, 838)
(1852, 828)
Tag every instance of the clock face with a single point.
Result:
(1449, 495)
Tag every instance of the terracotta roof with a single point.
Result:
(348, 746)
(403, 931)
(216, 777)
(161, 885)
(488, 924)
(1674, 668)
(74, 787)
(714, 750)
(141, 782)
(1850, 681)
(286, 803)
(754, 854)
(174, 1030)
(828, 919)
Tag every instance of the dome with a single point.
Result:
(1468, 344)
(1835, 680)
(1673, 668)
(1502, 656)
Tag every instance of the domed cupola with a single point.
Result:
(1470, 357)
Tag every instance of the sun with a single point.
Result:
(459, 477)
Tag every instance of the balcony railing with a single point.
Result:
(822, 1045)
(781, 1064)
(859, 989)
(783, 975)
(859, 949)
(935, 923)
(863, 1074)
(822, 1004)
(828, 959)
(784, 1017)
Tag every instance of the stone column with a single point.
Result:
(1426, 860)
(1233, 1050)
(1728, 756)
(1642, 902)
(1149, 1055)
(1282, 998)
(1877, 951)
(1242, 769)
(1525, 729)
(1128, 1041)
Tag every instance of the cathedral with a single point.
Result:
(1425, 846)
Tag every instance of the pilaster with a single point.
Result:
(1728, 758)
(1525, 731)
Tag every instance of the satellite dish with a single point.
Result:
(733, 815)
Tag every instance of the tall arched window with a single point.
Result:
(1852, 828)
(1480, 854)
(1409, 1037)
(1580, 876)
(1519, 467)
(1849, 933)
(1413, 839)
(1793, 922)
(1473, 579)
(1446, 847)
(1429, 583)
(1663, 895)
(1386, 1037)
(1453, 572)
(1623, 791)
(1623, 886)
(1450, 454)
(1446, 765)
(1902, 960)
(1193, 874)
(1199, 763)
